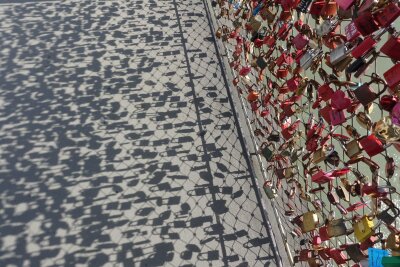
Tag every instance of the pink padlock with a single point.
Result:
(300, 41)
(396, 114)
(337, 116)
(351, 32)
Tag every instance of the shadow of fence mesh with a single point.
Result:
(118, 141)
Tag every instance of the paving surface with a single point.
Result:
(118, 142)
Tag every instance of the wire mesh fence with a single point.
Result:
(316, 126)
(119, 145)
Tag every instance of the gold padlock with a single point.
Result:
(393, 241)
(319, 155)
(386, 130)
(364, 228)
(353, 148)
(310, 221)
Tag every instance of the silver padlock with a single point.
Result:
(326, 27)
(340, 53)
(308, 58)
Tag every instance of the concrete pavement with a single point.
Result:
(118, 142)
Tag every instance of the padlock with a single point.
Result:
(245, 70)
(364, 228)
(252, 96)
(365, 23)
(323, 233)
(321, 177)
(340, 53)
(269, 190)
(284, 58)
(326, 27)
(353, 149)
(337, 117)
(325, 92)
(386, 15)
(354, 251)
(388, 215)
(371, 241)
(337, 228)
(392, 76)
(393, 240)
(319, 155)
(338, 256)
(310, 221)
(324, 113)
(267, 14)
(367, 44)
(282, 72)
(304, 6)
(392, 47)
(274, 136)
(364, 120)
(340, 101)
(254, 23)
(267, 150)
(372, 145)
(345, 4)
(364, 93)
(287, 132)
(261, 61)
(390, 166)
(300, 41)
(333, 198)
(293, 83)
(351, 32)
(387, 129)
(324, 8)
(309, 57)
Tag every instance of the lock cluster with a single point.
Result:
(320, 84)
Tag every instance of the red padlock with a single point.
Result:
(284, 58)
(321, 177)
(337, 116)
(392, 47)
(387, 15)
(323, 233)
(288, 131)
(324, 113)
(338, 256)
(372, 145)
(392, 76)
(245, 70)
(367, 44)
(373, 190)
(325, 92)
(345, 4)
(281, 73)
(340, 100)
(293, 83)
(366, 24)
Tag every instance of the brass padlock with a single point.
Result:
(319, 155)
(364, 228)
(337, 228)
(310, 221)
(353, 148)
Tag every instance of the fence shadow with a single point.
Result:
(118, 143)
